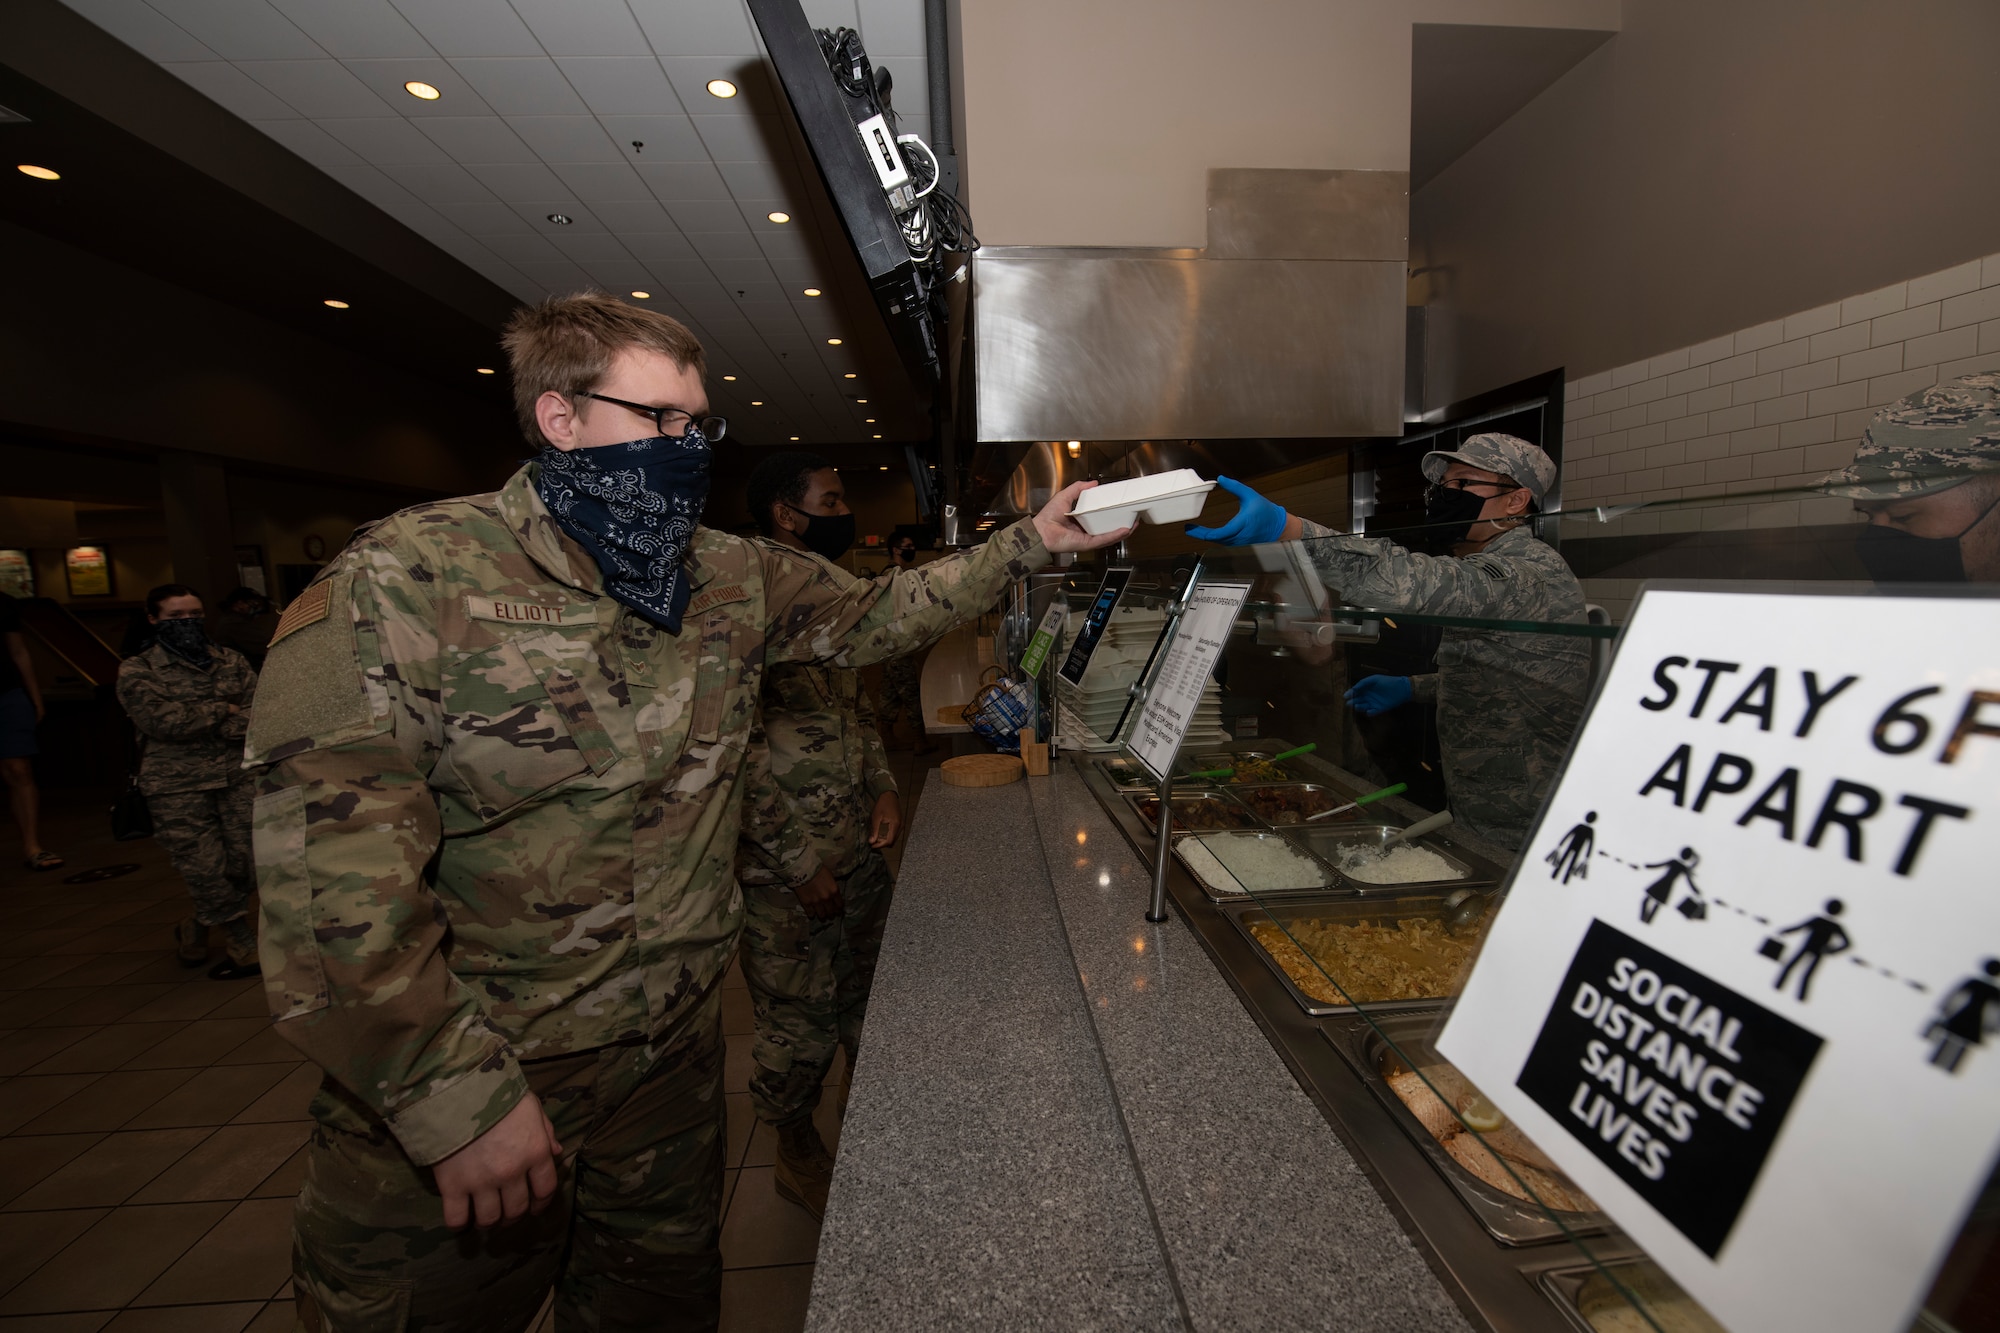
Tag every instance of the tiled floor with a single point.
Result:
(151, 1123)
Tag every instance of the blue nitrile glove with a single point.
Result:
(1257, 520)
(1372, 696)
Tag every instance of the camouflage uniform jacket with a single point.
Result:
(193, 742)
(501, 812)
(827, 758)
(1507, 703)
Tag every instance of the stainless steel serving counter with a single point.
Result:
(1066, 1117)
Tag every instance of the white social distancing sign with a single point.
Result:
(1745, 987)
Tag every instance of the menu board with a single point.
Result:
(1745, 986)
(89, 571)
(1094, 621)
(1191, 656)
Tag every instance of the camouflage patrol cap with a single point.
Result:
(1931, 441)
(1508, 455)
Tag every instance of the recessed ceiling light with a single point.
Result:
(779, 217)
(878, 437)
(337, 305)
(730, 378)
(44, 174)
(833, 342)
(486, 370)
(721, 88)
(871, 421)
(848, 376)
(418, 88)
(810, 291)
(756, 402)
(561, 219)
(861, 400)
(1075, 448)
(795, 439)
(643, 296)
(884, 469)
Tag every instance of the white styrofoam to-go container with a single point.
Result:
(1164, 497)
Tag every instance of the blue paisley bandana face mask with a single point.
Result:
(634, 507)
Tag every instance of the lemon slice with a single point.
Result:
(1481, 1115)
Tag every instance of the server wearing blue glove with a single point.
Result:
(1507, 703)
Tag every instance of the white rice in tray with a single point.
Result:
(1202, 863)
(1266, 863)
(1403, 865)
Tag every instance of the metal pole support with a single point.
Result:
(1157, 910)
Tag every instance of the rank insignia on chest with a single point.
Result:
(520, 611)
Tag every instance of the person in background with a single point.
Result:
(190, 698)
(902, 694)
(809, 949)
(1507, 702)
(1926, 479)
(21, 712)
(246, 624)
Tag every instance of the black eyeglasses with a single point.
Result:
(711, 428)
(1466, 484)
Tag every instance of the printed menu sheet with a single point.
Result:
(1190, 660)
(1745, 985)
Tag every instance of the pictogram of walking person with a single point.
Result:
(1660, 890)
(1571, 858)
(1822, 938)
(1965, 1018)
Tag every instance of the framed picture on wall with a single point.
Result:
(17, 574)
(89, 571)
(250, 568)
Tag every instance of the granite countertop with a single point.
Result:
(1063, 1117)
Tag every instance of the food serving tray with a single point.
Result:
(1209, 760)
(1335, 841)
(1129, 775)
(1217, 845)
(1225, 813)
(1345, 909)
(1286, 804)
(1593, 1305)
(1369, 1044)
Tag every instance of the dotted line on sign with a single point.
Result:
(1760, 920)
(1630, 865)
(1911, 982)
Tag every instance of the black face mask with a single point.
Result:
(1893, 556)
(186, 639)
(1449, 514)
(827, 535)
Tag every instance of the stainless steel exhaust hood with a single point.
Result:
(1290, 323)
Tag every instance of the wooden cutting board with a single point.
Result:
(981, 770)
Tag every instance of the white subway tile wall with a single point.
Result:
(1768, 408)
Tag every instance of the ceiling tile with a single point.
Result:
(740, 138)
(749, 280)
(712, 215)
(666, 138)
(768, 313)
(385, 140)
(660, 247)
(681, 278)
(519, 250)
(621, 85)
(233, 90)
(798, 273)
(892, 27)
(830, 13)
(696, 27)
(241, 29)
(623, 277)
(521, 87)
(583, 27)
(787, 243)
(516, 181)
(388, 75)
(763, 180)
(674, 181)
(758, 212)
(724, 244)
(321, 89)
(908, 93)
(470, 27)
(557, 276)
(144, 29)
(566, 138)
(487, 219)
(690, 75)
(310, 142)
(476, 139)
(639, 216)
(587, 246)
(441, 183)
(355, 28)
(592, 181)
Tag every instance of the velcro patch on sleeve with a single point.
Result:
(308, 608)
(721, 595)
(524, 611)
(311, 691)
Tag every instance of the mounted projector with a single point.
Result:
(909, 234)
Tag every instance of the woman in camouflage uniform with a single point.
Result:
(190, 699)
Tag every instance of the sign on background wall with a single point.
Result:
(1745, 987)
